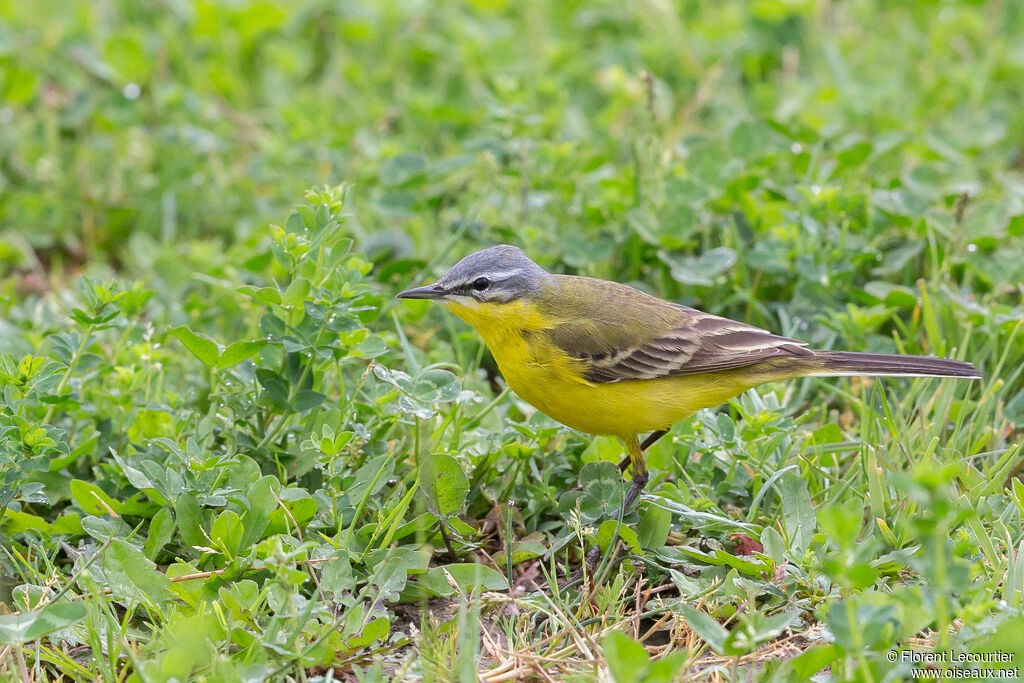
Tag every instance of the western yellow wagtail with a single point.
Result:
(605, 358)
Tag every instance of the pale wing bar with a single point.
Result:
(704, 343)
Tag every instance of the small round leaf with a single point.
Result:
(445, 484)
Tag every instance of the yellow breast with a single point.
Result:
(552, 381)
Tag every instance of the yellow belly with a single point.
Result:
(621, 408)
(550, 380)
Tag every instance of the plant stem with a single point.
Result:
(67, 373)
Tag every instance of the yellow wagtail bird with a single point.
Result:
(605, 358)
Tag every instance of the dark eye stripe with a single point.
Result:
(470, 287)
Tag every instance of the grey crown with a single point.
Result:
(507, 271)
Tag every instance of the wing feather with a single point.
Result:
(691, 342)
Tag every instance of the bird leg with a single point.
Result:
(591, 563)
(639, 482)
(640, 476)
(651, 438)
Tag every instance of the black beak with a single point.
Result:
(434, 291)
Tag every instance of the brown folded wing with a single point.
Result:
(694, 342)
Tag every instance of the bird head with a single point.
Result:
(499, 275)
(486, 285)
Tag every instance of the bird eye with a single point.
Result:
(481, 283)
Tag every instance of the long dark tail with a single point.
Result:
(887, 364)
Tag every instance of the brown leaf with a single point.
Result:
(745, 545)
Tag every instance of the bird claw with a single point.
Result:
(590, 563)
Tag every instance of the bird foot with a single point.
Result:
(590, 563)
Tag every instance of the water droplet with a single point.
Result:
(131, 91)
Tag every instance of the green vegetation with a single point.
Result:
(227, 453)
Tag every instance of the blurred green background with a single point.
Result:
(617, 138)
(850, 173)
